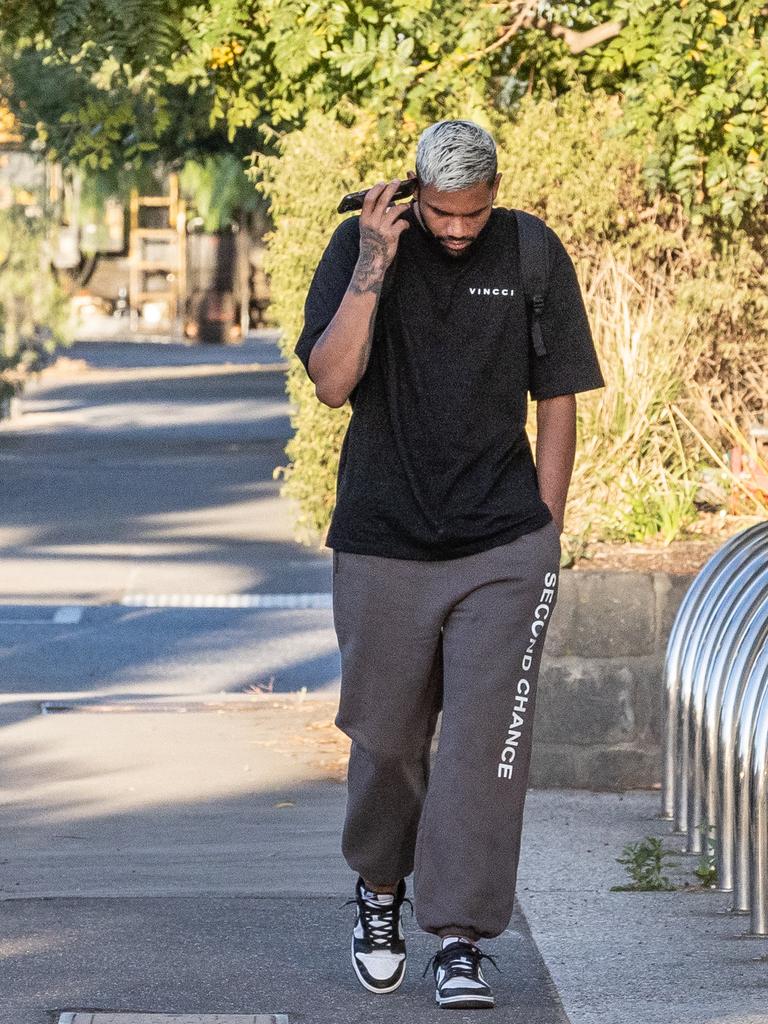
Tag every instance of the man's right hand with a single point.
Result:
(381, 225)
(340, 355)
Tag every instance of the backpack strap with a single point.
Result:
(534, 266)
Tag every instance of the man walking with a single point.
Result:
(446, 542)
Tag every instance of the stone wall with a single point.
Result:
(599, 701)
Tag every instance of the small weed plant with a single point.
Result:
(644, 861)
(706, 870)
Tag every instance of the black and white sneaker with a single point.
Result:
(378, 943)
(459, 982)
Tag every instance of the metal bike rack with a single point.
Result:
(720, 763)
(741, 593)
(758, 810)
(674, 792)
(715, 764)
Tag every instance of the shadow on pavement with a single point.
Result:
(191, 863)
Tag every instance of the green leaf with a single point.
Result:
(405, 48)
(387, 39)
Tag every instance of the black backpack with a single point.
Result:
(534, 266)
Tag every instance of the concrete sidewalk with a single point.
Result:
(189, 862)
(632, 957)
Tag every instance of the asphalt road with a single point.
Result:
(145, 476)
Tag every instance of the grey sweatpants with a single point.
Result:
(464, 634)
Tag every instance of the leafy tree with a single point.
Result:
(140, 35)
(695, 78)
(110, 118)
(269, 62)
(148, 79)
(220, 191)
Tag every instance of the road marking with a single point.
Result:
(86, 1017)
(228, 600)
(70, 614)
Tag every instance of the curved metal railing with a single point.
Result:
(715, 758)
(672, 795)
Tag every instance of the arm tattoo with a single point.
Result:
(367, 279)
(368, 275)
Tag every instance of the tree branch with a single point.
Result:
(577, 42)
(526, 18)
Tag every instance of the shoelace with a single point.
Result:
(378, 921)
(460, 958)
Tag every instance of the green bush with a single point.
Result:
(33, 309)
(671, 314)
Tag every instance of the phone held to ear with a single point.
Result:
(354, 200)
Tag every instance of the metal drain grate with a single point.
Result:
(101, 1017)
(154, 705)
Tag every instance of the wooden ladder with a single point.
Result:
(171, 261)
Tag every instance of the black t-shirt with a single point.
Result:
(436, 462)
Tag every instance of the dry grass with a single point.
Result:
(646, 437)
(632, 474)
(727, 424)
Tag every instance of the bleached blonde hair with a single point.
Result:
(451, 155)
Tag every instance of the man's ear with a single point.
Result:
(496, 186)
(410, 175)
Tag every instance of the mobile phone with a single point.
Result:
(354, 200)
